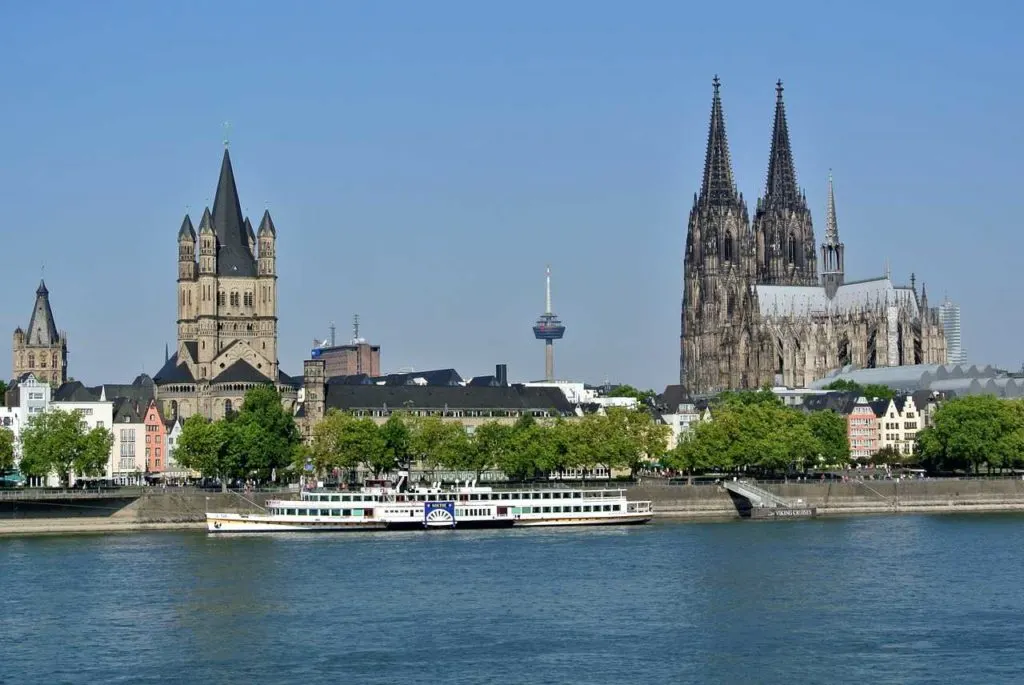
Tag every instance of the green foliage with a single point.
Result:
(830, 429)
(342, 441)
(888, 456)
(59, 442)
(396, 439)
(6, 451)
(755, 430)
(870, 391)
(967, 432)
(641, 396)
(764, 396)
(253, 442)
(3, 388)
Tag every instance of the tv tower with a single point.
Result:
(549, 329)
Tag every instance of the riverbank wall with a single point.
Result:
(831, 498)
(158, 509)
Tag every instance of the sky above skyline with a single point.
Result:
(423, 162)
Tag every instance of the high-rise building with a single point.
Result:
(42, 350)
(949, 315)
(755, 308)
(356, 357)
(548, 328)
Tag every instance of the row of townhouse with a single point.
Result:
(143, 439)
(876, 424)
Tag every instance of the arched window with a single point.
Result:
(31, 360)
(792, 249)
(227, 408)
(727, 252)
(220, 298)
(174, 409)
(731, 307)
(55, 360)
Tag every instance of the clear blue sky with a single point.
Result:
(424, 161)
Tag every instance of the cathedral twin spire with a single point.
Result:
(718, 188)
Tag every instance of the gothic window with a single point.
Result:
(731, 306)
(227, 408)
(792, 249)
(55, 360)
(174, 409)
(234, 298)
(31, 360)
(220, 298)
(727, 253)
(189, 298)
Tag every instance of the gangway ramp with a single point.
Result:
(766, 504)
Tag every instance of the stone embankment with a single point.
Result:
(153, 509)
(843, 498)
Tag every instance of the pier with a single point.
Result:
(767, 505)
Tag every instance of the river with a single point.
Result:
(896, 599)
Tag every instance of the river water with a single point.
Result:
(902, 599)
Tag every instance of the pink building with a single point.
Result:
(156, 440)
(862, 430)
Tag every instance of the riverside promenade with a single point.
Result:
(26, 512)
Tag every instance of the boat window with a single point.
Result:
(547, 495)
(617, 507)
(576, 509)
(346, 512)
(607, 507)
(335, 498)
(504, 495)
(369, 513)
(536, 495)
(557, 495)
(291, 512)
(586, 508)
(474, 496)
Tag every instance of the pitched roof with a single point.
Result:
(186, 232)
(233, 255)
(127, 410)
(514, 397)
(839, 402)
(41, 328)
(241, 372)
(267, 224)
(140, 391)
(173, 372)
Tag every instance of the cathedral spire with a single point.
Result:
(718, 187)
(781, 186)
(831, 226)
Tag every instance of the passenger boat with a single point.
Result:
(386, 506)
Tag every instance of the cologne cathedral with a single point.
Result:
(757, 311)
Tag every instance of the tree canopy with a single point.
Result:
(641, 396)
(968, 432)
(251, 443)
(59, 442)
(622, 438)
(870, 391)
(756, 430)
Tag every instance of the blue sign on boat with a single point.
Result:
(439, 514)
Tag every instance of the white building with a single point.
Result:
(95, 413)
(579, 394)
(949, 316)
(128, 454)
(175, 471)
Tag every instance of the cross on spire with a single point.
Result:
(227, 134)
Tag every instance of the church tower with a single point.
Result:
(227, 310)
(783, 230)
(718, 267)
(832, 249)
(41, 350)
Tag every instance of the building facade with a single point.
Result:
(227, 311)
(41, 350)
(949, 315)
(756, 311)
(357, 357)
(862, 430)
(156, 440)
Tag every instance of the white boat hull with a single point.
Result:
(263, 523)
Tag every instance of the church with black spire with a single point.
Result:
(227, 311)
(755, 309)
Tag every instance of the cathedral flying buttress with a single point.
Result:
(755, 310)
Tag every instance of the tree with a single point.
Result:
(732, 398)
(830, 430)
(636, 438)
(212, 448)
(870, 391)
(967, 432)
(6, 451)
(59, 442)
(887, 456)
(438, 443)
(641, 396)
(267, 433)
(395, 432)
(343, 441)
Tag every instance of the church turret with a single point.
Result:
(234, 258)
(251, 237)
(717, 266)
(186, 250)
(207, 245)
(782, 224)
(267, 240)
(832, 269)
